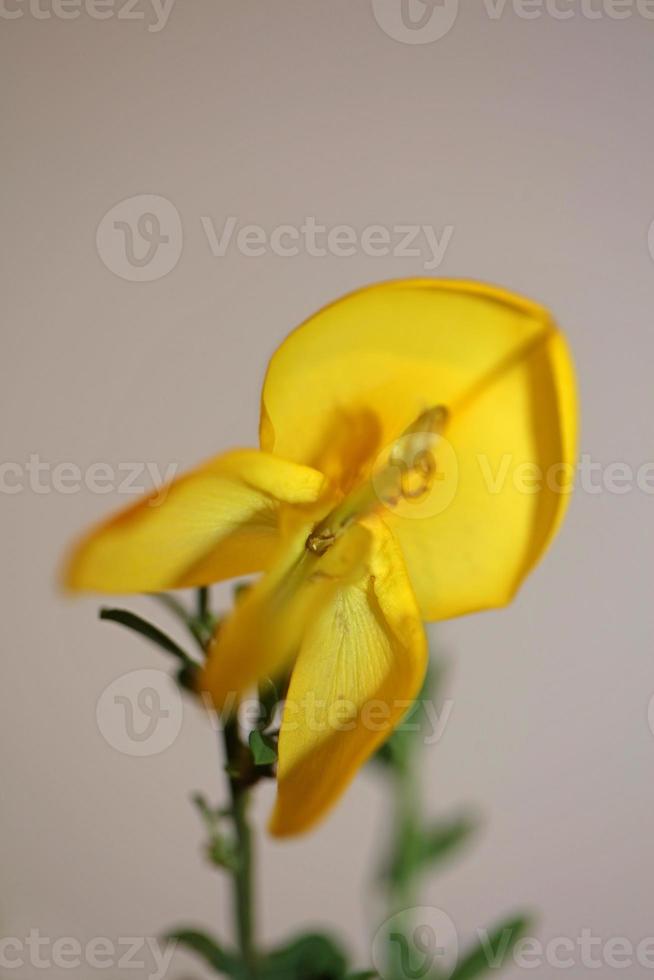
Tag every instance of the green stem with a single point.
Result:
(407, 819)
(407, 825)
(243, 874)
(203, 603)
(237, 764)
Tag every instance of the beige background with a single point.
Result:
(533, 139)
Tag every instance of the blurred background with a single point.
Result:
(513, 142)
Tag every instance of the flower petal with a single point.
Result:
(361, 664)
(265, 630)
(216, 522)
(365, 368)
(507, 472)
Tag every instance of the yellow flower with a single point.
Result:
(417, 450)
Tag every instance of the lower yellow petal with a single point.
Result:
(265, 630)
(216, 522)
(361, 663)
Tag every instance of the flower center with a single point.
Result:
(407, 471)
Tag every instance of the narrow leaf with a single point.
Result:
(421, 851)
(442, 839)
(494, 949)
(130, 620)
(263, 748)
(209, 950)
(308, 957)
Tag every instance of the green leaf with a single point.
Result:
(421, 850)
(210, 815)
(188, 677)
(310, 957)
(221, 960)
(438, 842)
(221, 848)
(493, 950)
(269, 698)
(223, 853)
(263, 748)
(362, 975)
(133, 622)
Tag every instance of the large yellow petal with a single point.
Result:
(507, 470)
(371, 363)
(216, 522)
(361, 664)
